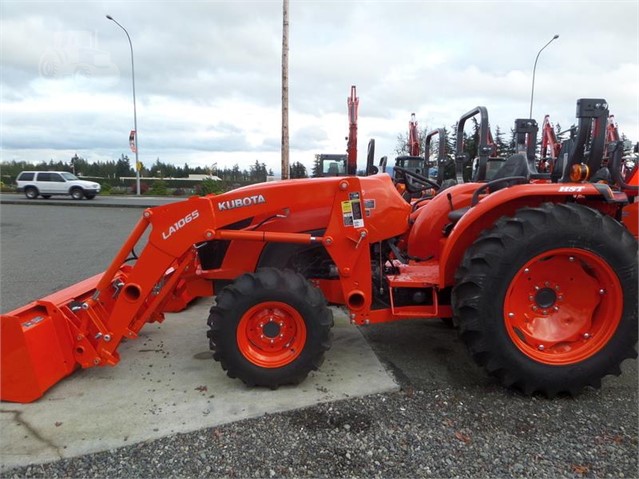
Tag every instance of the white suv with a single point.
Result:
(48, 183)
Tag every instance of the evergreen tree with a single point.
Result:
(317, 167)
(502, 146)
(123, 167)
(298, 170)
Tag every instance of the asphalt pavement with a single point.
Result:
(447, 419)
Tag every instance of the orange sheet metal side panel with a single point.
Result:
(385, 211)
(424, 239)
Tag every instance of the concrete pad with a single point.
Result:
(166, 383)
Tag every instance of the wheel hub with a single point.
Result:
(545, 298)
(271, 329)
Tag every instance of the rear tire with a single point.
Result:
(77, 193)
(31, 192)
(546, 301)
(270, 328)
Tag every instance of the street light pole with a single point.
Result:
(135, 116)
(532, 90)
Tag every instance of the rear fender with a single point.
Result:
(506, 202)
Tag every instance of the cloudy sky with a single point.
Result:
(208, 73)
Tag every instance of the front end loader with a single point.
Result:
(540, 278)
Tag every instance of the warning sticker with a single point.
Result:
(347, 213)
(352, 211)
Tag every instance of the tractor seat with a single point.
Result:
(515, 165)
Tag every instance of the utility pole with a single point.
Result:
(285, 168)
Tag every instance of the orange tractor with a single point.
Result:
(540, 278)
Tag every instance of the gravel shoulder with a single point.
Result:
(416, 432)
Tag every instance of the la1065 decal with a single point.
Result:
(179, 224)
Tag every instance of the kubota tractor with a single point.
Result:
(540, 278)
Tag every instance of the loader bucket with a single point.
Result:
(38, 343)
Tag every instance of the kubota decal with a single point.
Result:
(181, 223)
(241, 202)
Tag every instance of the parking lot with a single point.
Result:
(428, 410)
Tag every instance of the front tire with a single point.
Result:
(77, 193)
(546, 301)
(31, 192)
(270, 328)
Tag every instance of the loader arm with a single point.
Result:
(83, 325)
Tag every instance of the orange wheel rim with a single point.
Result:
(271, 334)
(563, 306)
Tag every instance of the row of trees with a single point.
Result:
(257, 172)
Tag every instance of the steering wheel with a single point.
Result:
(412, 180)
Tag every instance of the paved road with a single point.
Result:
(98, 201)
(448, 420)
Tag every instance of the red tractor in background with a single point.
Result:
(539, 277)
(413, 161)
(340, 164)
